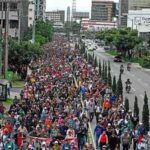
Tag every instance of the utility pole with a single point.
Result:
(1, 38)
(6, 38)
(19, 20)
(2, 19)
(33, 32)
(33, 27)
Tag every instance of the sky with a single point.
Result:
(82, 5)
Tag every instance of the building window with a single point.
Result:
(4, 6)
(30, 9)
(13, 24)
(13, 6)
(30, 18)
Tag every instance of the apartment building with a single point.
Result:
(57, 16)
(138, 4)
(17, 16)
(103, 10)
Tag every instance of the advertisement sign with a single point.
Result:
(143, 20)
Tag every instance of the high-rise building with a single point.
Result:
(123, 12)
(138, 4)
(57, 16)
(68, 14)
(40, 8)
(73, 8)
(103, 10)
(18, 17)
(31, 13)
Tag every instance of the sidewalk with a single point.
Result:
(14, 92)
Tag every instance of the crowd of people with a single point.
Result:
(62, 94)
(116, 127)
(49, 115)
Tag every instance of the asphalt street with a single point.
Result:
(139, 77)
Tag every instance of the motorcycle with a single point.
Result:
(128, 88)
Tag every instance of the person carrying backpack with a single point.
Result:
(103, 140)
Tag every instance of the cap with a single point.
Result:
(43, 143)
(109, 124)
(56, 142)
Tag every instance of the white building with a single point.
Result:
(94, 25)
(31, 13)
(140, 20)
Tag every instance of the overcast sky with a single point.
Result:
(82, 5)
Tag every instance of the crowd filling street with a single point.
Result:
(62, 94)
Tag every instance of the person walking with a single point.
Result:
(126, 141)
(103, 140)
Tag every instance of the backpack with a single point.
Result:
(103, 138)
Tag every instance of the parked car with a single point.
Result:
(118, 58)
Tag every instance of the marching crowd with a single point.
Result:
(49, 115)
(61, 95)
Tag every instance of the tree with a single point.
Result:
(114, 87)
(119, 87)
(86, 56)
(145, 116)
(75, 27)
(145, 98)
(105, 74)
(109, 68)
(145, 113)
(123, 39)
(95, 62)
(136, 107)
(109, 80)
(126, 104)
(27, 50)
(100, 68)
(103, 71)
(43, 34)
(82, 50)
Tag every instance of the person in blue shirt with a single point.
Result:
(9, 145)
(112, 99)
(97, 132)
(66, 145)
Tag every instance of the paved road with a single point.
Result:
(139, 77)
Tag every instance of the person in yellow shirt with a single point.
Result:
(56, 146)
